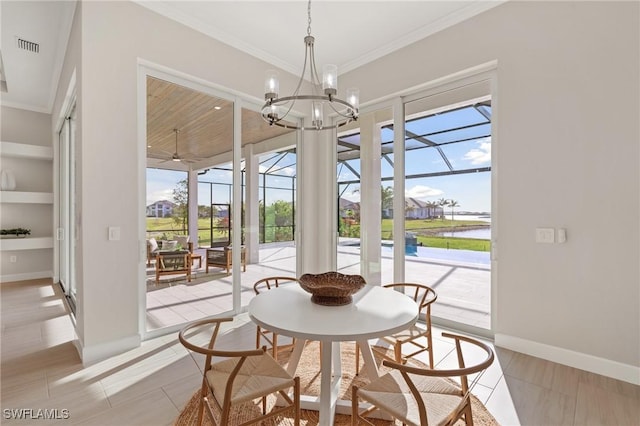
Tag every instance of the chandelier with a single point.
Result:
(275, 105)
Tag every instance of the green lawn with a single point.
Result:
(425, 228)
(456, 243)
(165, 228)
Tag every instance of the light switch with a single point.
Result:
(562, 235)
(545, 235)
(114, 233)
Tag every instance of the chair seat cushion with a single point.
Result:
(153, 245)
(259, 375)
(391, 393)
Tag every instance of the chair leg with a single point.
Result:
(354, 399)
(296, 400)
(258, 334)
(200, 412)
(430, 343)
(468, 417)
(397, 349)
(357, 359)
(203, 394)
(275, 346)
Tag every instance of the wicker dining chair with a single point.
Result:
(270, 337)
(417, 336)
(423, 396)
(242, 376)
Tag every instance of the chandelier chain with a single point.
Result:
(309, 18)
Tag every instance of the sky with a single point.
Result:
(463, 145)
(471, 191)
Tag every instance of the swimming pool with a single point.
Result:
(420, 252)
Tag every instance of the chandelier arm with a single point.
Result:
(292, 99)
(313, 71)
(304, 67)
(277, 101)
(351, 111)
(294, 127)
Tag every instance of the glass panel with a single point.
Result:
(424, 160)
(447, 214)
(377, 266)
(271, 224)
(187, 127)
(445, 121)
(470, 154)
(216, 189)
(475, 132)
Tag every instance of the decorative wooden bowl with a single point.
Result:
(332, 288)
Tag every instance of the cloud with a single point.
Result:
(353, 197)
(158, 195)
(287, 171)
(421, 191)
(480, 155)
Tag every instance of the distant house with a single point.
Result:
(349, 209)
(162, 208)
(417, 209)
(414, 209)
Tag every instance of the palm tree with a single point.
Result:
(408, 210)
(431, 205)
(443, 203)
(453, 204)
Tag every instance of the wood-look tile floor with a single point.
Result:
(40, 369)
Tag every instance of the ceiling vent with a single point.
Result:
(27, 45)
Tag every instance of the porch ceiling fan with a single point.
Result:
(176, 156)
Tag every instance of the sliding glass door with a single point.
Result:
(65, 232)
(414, 200)
(448, 200)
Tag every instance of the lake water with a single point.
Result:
(481, 234)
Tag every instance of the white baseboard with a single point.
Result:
(96, 353)
(26, 276)
(594, 364)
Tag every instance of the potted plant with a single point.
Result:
(18, 232)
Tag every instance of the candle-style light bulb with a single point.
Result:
(353, 98)
(316, 114)
(271, 84)
(330, 79)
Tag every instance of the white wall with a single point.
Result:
(22, 126)
(565, 155)
(108, 39)
(566, 145)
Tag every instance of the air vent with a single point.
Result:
(27, 45)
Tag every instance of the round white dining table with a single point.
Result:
(375, 312)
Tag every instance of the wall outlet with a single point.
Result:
(562, 235)
(114, 233)
(13, 259)
(545, 235)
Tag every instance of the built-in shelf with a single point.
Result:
(26, 197)
(21, 150)
(27, 243)
(28, 152)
